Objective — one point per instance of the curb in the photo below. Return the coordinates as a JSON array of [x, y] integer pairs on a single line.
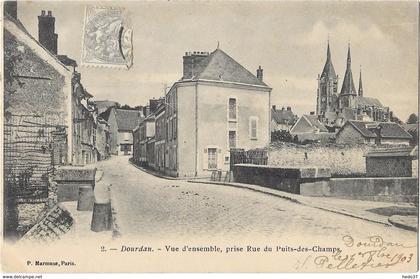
[[401, 225], [157, 174], [283, 196], [153, 172], [243, 186]]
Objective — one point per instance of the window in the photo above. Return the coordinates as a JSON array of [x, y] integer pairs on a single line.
[[212, 158], [126, 136], [232, 139], [174, 128], [253, 128], [170, 129], [232, 108]]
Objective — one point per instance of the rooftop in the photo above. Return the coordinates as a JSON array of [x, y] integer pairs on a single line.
[[219, 66], [394, 152], [387, 129], [127, 119], [313, 120], [283, 116]]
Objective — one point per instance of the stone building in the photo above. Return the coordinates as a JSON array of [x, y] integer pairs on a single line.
[[391, 162], [363, 132], [217, 105], [37, 84], [48, 120], [333, 108], [102, 139]]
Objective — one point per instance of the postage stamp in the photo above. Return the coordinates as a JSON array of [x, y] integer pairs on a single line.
[[107, 38]]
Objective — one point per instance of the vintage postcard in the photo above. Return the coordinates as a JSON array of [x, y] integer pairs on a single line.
[[210, 136]]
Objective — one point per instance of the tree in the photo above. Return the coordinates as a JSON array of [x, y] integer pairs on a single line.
[[126, 107], [396, 120], [412, 119], [282, 135]]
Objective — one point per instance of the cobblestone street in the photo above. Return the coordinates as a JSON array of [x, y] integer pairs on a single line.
[[149, 207]]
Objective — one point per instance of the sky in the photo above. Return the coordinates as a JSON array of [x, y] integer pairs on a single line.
[[288, 39]]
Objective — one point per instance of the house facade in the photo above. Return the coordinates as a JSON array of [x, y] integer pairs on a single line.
[[103, 139], [122, 122], [216, 106], [160, 138], [84, 125], [141, 136]]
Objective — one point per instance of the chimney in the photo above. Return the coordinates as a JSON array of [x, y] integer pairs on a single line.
[[46, 32], [274, 107], [193, 63], [10, 8], [260, 73], [289, 109]]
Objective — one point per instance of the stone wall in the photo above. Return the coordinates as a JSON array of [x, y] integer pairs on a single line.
[[284, 179], [389, 166], [350, 135], [343, 160], [42, 95], [70, 178]]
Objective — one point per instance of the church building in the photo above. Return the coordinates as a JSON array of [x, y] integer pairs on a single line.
[[335, 108]]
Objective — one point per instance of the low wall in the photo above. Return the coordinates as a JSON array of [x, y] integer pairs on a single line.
[[342, 160], [386, 189], [284, 179], [70, 178]]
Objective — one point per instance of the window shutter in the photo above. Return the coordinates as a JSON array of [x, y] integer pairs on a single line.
[[205, 160]]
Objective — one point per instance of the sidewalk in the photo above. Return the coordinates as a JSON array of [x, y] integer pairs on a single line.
[[158, 174], [378, 212], [80, 229]]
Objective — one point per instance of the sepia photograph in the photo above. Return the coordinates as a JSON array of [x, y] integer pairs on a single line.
[[210, 136]]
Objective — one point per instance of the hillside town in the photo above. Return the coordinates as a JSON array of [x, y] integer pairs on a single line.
[[215, 125]]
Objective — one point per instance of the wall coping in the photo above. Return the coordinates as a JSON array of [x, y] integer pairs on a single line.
[[75, 173], [374, 178], [304, 172]]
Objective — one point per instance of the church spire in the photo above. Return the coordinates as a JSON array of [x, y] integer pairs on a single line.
[[328, 51], [348, 83], [348, 57], [328, 70], [360, 83]]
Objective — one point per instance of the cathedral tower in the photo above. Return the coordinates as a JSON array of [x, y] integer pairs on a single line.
[[327, 100]]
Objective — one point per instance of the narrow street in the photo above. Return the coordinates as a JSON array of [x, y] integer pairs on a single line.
[[149, 207]]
